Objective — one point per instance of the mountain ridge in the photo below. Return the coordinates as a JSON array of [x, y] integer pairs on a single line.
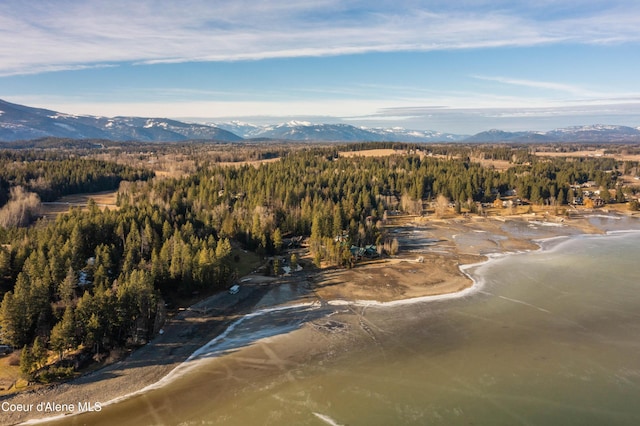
[[307, 131], [20, 122]]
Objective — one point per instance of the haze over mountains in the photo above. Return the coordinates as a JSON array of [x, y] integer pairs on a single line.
[[18, 122]]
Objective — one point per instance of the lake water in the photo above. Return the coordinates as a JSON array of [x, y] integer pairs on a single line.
[[548, 338]]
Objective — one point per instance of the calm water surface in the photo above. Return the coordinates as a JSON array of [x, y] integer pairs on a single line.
[[552, 337]]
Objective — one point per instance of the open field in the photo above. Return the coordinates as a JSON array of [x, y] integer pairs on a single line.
[[371, 153], [589, 153], [181, 168], [254, 163], [500, 165], [105, 199]]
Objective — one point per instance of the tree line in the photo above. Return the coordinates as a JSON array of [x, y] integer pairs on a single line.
[[52, 175]]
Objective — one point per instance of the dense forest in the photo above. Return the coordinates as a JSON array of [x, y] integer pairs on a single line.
[[97, 279]]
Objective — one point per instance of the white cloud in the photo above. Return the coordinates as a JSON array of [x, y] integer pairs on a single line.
[[560, 87], [44, 36], [328, 108]]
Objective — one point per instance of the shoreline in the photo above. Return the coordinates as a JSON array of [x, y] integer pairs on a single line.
[[216, 328]]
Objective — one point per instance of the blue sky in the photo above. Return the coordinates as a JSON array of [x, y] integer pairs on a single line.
[[456, 66]]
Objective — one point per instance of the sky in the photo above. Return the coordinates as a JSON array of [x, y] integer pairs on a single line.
[[460, 66]]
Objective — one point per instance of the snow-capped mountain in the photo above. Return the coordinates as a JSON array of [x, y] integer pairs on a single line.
[[242, 129], [306, 131], [596, 133], [589, 133], [18, 122], [495, 135], [401, 134]]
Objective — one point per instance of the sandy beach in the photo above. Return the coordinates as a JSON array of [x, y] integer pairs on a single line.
[[428, 265]]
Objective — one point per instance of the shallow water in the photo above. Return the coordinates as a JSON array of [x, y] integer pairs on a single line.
[[550, 337]]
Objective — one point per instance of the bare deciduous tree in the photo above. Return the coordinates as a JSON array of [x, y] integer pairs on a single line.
[[411, 205], [442, 204], [20, 209]]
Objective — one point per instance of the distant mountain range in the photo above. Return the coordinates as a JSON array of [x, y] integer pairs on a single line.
[[18, 122], [305, 131], [591, 133]]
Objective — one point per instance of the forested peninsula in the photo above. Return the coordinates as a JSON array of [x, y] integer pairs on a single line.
[[81, 284]]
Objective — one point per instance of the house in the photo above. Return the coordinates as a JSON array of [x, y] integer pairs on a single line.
[[369, 251], [294, 242]]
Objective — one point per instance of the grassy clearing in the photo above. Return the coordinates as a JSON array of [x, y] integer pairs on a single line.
[[247, 261], [499, 165], [254, 163], [10, 380], [589, 153], [104, 199], [371, 153]]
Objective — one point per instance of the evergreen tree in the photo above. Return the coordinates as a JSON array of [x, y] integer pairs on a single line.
[[38, 353], [223, 249], [63, 333], [315, 241], [14, 320], [5, 262], [27, 365], [277, 240], [67, 288], [94, 333]]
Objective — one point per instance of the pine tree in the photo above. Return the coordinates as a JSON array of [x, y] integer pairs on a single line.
[[38, 353], [67, 288], [315, 241], [277, 240], [26, 363], [223, 249], [137, 302], [14, 316], [94, 332], [63, 333], [77, 247], [5, 261]]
